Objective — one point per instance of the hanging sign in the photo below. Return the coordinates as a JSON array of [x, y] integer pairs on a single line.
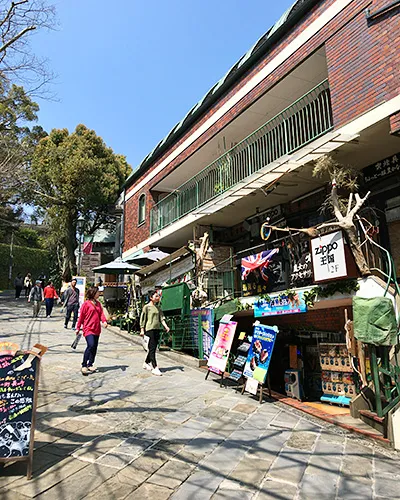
[[382, 169], [259, 355], [222, 346], [19, 379], [280, 304], [328, 257]]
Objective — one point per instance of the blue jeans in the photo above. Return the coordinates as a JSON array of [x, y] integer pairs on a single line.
[[72, 309], [92, 342], [49, 306]]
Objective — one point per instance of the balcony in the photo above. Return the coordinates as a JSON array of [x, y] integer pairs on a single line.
[[299, 124]]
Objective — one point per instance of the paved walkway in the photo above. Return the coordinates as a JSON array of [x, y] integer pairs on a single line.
[[124, 433]]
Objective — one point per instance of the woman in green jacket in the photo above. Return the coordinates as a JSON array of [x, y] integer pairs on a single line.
[[151, 320]]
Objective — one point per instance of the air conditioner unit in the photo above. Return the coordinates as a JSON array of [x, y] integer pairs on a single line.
[[292, 384]]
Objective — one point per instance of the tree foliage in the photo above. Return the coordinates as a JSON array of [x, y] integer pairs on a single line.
[[75, 175], [17, 142]]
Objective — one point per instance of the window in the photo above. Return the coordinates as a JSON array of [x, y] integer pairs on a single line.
[[142, 209]]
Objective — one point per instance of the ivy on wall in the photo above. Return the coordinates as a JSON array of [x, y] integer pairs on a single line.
[[25, 260]]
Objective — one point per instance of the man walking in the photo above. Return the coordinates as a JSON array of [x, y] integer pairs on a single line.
[[18, 283], [49, 295], [71, 303], [37, 296]]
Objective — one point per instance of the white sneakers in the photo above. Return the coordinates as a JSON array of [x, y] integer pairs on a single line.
[[154, 371]]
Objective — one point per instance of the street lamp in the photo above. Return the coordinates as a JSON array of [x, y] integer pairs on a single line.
[[80, 224]]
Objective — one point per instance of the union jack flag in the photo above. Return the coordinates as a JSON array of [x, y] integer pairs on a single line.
[[258, 261]]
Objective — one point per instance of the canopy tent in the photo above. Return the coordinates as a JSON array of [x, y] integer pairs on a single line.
[[117, 266], [149, 257]]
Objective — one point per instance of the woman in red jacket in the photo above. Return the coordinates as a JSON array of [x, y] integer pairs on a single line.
[[49, 295], [90, 318]]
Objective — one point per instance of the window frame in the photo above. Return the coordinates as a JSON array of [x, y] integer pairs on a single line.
[[140, 221]]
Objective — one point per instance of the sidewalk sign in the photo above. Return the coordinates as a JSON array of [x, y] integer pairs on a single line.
[[259, 357], [222, 346], [19, 382], [81, 286]]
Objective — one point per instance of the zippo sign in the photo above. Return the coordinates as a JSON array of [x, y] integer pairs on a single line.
[[328, 257]]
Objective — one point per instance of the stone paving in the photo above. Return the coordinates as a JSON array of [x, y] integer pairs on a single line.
[[123, 433]]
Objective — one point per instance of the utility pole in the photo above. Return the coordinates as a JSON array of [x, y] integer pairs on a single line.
[[10, 266]]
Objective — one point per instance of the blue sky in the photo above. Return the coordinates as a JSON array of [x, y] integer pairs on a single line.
[[131, 69]]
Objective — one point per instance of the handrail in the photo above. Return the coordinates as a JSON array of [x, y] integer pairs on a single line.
[[303, 121]]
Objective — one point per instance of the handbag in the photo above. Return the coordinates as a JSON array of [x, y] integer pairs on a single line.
[[145, 342], [76, 341]]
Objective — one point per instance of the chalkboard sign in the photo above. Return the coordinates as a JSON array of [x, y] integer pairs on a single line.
[[19, 378]]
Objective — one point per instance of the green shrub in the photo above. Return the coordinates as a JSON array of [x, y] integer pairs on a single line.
[[26, 260]]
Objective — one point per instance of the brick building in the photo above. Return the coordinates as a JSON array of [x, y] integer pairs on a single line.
[[324, 79]]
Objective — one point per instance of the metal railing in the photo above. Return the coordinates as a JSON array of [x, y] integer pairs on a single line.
[[302, 122]]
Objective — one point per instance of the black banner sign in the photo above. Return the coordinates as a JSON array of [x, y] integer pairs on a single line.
[[382, 169]]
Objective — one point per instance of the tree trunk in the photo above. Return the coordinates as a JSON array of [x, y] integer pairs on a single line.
[[357, 252], [69, 246]]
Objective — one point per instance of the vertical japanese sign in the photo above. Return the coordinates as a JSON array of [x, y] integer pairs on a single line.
[[206, 317], [222, 346], [328, 257], [259, 356]]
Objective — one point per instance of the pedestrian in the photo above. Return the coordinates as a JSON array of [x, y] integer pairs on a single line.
[[71, 304], [90, 318], [50, 294], [18, 284], [151, 320], [28, 284], [36, 295]]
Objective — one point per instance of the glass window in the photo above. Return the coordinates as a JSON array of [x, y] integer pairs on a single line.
[[142, 208]]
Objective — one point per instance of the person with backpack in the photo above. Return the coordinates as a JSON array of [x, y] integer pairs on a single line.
[[90, 318], [50, 294], [71, 303], [37, 296]]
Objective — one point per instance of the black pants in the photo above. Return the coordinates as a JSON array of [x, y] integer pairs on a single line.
[[49, 306], [89, 356], [72, 309], [18, 290], [154, 338], [27, 290]]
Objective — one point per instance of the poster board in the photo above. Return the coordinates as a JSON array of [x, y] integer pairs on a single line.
[[279, 304], [203, 318], [222, 345], [81, 286], [259, 355], [19, 382]]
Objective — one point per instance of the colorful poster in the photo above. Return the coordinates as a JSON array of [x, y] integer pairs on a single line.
[[206, 316], [280, 304], [259, 355], [222, 346], [81, 286], [261, 272]]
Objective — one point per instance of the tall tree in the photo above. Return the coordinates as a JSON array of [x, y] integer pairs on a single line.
[[18, 20], [17, 142], [75, 175]]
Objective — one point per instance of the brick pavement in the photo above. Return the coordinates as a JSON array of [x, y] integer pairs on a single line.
[[123, 433]]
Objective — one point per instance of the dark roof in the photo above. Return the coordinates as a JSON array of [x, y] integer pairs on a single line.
[[246, 62]]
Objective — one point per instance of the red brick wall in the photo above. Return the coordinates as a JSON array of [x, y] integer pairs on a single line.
[[395, 124], [329, 320], [363, 63], [336, 34]]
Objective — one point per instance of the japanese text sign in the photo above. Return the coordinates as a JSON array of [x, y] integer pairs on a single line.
[[259, 356], [328, 257], [222, 346]]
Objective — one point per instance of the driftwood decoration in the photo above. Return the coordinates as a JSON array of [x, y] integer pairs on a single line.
[[199, 295], [344, 222]]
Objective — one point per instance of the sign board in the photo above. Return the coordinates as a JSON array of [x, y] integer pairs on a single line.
[[19, 379], [222, 346], [382, 169], [280, 304], [259, 355], [328, 257], [251, 386], [81, 286], [206, 317], [262, 272]]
